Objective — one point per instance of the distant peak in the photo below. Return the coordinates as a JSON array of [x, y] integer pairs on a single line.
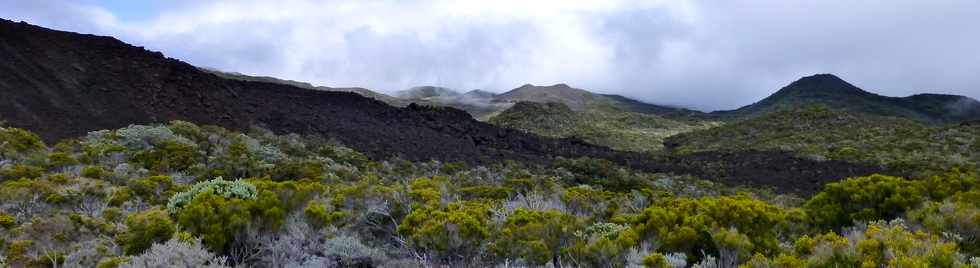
[[823, 82], [821, 78], [561, 85]]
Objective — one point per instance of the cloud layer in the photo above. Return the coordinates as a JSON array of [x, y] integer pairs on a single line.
[[702, 54]]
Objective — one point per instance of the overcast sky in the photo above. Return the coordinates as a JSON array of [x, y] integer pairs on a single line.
[[702, 54]]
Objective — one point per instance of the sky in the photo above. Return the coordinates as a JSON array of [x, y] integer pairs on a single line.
[[706, 55]]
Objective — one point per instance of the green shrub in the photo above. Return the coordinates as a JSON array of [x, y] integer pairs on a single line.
[[95, 172], [536, 236], [874, 197], [457, 231], [7, 221], [15, 141], [227, 189], [318, 215], [215, 218], [18, 171], [686, 225], [144, 229]]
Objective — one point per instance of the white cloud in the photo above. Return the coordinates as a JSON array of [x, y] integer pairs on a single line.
[[704, 54]]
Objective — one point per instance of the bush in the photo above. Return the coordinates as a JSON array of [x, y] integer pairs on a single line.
[[176, 253], [154, 190], [877, 244], [536, 236], [457, 232], [217, 219], [144, 229], [687, 225], [16, 142], [875, 197], [957, 217], [227, 189]]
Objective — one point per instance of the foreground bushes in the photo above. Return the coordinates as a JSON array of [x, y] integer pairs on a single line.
[[129, 197]]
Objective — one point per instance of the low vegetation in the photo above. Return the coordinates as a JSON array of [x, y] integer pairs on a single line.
[[182, 195], [604, 125], [819, 132]]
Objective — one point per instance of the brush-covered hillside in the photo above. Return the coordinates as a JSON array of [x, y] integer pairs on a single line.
[[819, 132], [604, 125], [182, 195]]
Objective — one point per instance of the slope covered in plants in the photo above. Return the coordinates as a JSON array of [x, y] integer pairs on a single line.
[[819, 132], [600, 124], [182, 195]]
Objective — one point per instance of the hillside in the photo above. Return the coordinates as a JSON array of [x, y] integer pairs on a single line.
[[600, 124], [819, 132], [390, 100], [580, 99], [830, 90], [479, 104]]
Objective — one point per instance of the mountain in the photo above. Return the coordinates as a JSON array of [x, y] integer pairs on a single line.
[[830, 90], [604, 125], [360, 91], [426, 92], [478, 103], [63, 85], [580, 99]]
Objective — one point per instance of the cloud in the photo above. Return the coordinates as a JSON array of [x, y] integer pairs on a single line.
[[702, 54]]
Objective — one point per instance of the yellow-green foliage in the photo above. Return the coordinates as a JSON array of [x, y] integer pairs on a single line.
[[216, 219], [110, 187], [7, 221], [863, 199], [318, 214], [879, 244], [155, 189], [656, 260], [957, 217], [686, 225], [536, 236], [144, 229], [15, 141], [457, 227]]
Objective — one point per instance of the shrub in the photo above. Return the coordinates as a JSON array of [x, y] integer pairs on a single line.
[[227, 189], [7, 221], [957, 217], [176, 253], [155, 189], [878, 244], [457, 232], [319, 216], [686, 225], [868, 198], [95, 172], [536, 236], [19, 171], [15, 141], [350, 252], [146, 228], [217, 219]]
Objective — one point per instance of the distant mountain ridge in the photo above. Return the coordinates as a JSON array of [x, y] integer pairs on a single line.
[[834, 92]]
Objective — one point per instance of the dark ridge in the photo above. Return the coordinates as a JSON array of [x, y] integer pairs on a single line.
[[63, 85]]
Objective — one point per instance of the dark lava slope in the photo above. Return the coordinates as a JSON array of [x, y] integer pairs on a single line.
[[62, 85]]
